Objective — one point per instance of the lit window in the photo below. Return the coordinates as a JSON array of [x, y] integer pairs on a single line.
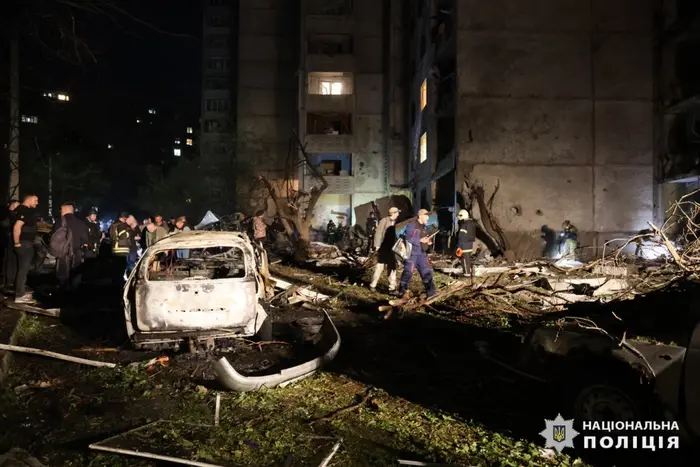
[[63, 97], [188, 141], [189, 130], [424, 147], [152, 111], [109, 146], [177, 152], [177, 140], [138, 120], [331, 88], [424, 94], [29, 119]]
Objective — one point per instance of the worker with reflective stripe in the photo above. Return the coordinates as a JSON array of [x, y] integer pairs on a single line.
[[466, 235], [120, 235], [417, 236]]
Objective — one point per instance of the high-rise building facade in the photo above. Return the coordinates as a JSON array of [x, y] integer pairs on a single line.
[[328, 72]]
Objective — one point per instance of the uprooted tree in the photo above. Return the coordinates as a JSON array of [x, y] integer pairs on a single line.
[[491, 232], [294, 206]]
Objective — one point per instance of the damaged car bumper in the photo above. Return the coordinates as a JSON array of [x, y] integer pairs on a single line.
[[327, 342]]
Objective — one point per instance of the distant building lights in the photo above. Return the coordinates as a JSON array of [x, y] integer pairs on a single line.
[[188, 141], [138, 120], [177, 152], [189, 130], [109, 146], [152, 111]]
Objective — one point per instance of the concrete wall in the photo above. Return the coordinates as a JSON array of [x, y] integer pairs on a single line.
[[555, 102]]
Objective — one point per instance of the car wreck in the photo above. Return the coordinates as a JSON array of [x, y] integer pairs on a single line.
[[209, 285], [198, 286], [605, 375]]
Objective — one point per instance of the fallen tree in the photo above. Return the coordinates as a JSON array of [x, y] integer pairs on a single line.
[[490, 232], [297, 208]]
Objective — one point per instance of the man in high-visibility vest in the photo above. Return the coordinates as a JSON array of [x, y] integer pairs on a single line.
[[466, 235], [121, 236]]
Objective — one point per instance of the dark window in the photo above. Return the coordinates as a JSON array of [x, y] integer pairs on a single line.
[[216, 83], [326, 7], [413, 114], [422, 45], [329, 123], [220, 64], [218, 42], [218, 20], [330, 44], [217, 105]]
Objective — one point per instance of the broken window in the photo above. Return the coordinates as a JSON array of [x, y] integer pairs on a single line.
[[330, 44], [328, 123], [213, 126], [197, 264], [329, 7], [330, 83]]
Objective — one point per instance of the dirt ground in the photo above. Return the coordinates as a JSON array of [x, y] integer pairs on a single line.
[[425, 392]]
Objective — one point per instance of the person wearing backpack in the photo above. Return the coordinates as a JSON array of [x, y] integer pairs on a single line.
[[69, 241]]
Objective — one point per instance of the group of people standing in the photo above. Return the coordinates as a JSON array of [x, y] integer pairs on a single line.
[[75, 242], [384, 237]]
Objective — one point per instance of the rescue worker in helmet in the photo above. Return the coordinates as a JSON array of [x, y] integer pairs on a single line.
[[569, 234], [466, 235]]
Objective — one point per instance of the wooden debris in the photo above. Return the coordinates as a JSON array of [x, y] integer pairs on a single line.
[[366, 397], [37, 310]]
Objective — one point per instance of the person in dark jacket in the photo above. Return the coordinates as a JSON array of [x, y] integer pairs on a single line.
[[384, 240], [24, 232], [94, 235], [371, 229], [8, 261], [466, 236], [417, 235], [69, 268]]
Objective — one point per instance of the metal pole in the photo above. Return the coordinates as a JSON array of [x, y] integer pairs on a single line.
[[50, 200], [13, 144]]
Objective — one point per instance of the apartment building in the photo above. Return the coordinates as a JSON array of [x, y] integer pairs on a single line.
[[679, 164], [331, 72], [551, 100]]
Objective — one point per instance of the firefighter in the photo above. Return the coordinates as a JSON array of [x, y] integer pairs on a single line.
[[122, 238], [569, 234], [417, 236], [466, 235]]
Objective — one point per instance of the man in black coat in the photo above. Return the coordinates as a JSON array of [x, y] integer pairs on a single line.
[[69, 268], [466, 236]]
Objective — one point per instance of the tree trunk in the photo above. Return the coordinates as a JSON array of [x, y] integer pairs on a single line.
[[302, 248], [13, 144]]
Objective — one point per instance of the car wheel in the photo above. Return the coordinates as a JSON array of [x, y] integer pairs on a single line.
[[603, 401], [265, 331]]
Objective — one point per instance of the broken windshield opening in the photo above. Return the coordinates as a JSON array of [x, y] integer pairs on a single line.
[[197, 264]]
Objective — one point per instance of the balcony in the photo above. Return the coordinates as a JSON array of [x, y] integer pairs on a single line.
[[316, 62], [326, 8], [337, 184], [338, 104], [329, 143]]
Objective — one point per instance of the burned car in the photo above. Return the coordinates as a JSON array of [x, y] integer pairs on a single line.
[[198, 286]]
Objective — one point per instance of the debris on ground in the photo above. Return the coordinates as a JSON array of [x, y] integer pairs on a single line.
[[46, 353], [19, 458]]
